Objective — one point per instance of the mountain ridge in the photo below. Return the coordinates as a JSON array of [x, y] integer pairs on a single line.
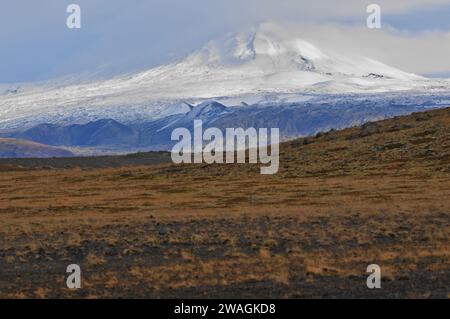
[[247, 67], [293, 119]]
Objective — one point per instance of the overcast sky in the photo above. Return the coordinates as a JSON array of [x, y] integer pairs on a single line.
[[127, 35]]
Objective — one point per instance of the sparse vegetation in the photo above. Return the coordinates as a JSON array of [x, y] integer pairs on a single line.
[[337, 205]]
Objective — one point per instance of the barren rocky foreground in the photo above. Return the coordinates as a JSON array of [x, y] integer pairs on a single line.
[[378, 194]]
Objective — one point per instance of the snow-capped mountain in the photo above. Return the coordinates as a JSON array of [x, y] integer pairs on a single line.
[[270, 51], [268, 61]]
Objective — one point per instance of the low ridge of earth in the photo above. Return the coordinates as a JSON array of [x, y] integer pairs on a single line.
[[11, 148]]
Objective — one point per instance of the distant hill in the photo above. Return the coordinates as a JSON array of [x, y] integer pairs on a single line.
[[13, 148], [97, 133], [294, 120], [417, 140]]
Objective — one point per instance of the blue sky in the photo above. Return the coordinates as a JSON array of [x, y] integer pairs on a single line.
[[127, 35]]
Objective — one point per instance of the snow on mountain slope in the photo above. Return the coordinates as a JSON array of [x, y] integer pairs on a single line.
[[266, 61], [272, 50]]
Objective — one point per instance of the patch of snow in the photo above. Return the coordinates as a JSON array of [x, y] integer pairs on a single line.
[[264, 65]]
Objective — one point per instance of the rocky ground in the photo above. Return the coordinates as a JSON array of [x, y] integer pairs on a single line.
[[378, 194]]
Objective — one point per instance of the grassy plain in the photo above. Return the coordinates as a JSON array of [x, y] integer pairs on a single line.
[[377, 194]]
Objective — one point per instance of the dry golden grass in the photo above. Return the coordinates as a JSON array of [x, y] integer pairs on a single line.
[[341, 201]]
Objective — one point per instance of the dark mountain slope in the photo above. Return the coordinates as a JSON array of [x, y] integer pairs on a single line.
[[98, 133]]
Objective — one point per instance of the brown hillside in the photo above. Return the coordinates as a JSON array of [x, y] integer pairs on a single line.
[[341, 201]]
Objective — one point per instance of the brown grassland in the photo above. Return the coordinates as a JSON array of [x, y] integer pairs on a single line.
[[341, 201]]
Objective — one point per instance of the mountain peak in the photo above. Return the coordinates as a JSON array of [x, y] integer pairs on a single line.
[[270, 49], [265, 41], [268, 60]]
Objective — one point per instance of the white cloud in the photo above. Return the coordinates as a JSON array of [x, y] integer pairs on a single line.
[[323, 9], [423, 53], [129, 34]]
